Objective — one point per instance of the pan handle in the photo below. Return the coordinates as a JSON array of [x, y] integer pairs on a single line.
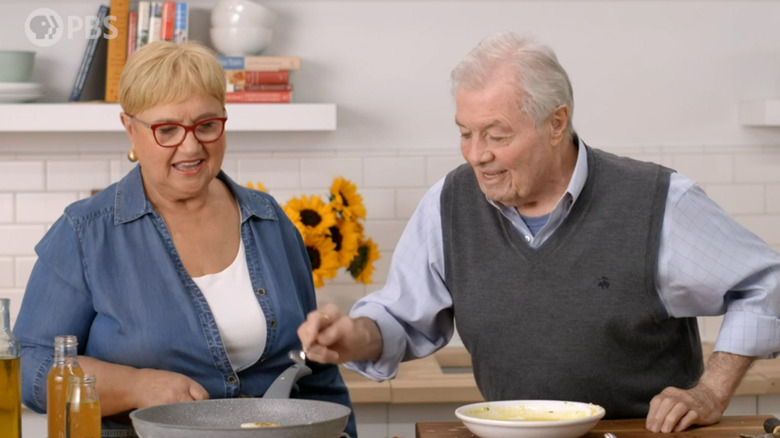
[[281, 387]]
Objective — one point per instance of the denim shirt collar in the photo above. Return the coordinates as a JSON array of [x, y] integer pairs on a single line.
[[131, 202]]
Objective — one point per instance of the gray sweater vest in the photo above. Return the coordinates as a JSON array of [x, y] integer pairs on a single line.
[[578, 318]]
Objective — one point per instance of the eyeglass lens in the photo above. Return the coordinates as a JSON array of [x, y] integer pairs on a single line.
[[173, 134]]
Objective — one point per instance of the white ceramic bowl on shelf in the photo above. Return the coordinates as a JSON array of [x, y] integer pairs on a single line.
[[530, 418], [240, 41], [241, 13]]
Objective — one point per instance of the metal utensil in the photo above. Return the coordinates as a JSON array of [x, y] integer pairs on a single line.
[[297, 356], [610, 435], [771, 426]]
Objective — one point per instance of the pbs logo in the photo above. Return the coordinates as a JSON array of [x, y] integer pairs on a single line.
[[44, 27]]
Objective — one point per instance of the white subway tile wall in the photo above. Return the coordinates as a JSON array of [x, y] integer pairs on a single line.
[[22, 176], [772, 192], [712, 168], [757, 167], [379, 203], [738, 198], [6, 272], [77, 175], [43, 207], [318, 173], [6, 208], [408, 171], [276, 173], [19, 240], [34, 191], [406, 200]]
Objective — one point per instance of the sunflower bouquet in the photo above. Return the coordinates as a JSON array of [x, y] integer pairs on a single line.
[[332, 232]]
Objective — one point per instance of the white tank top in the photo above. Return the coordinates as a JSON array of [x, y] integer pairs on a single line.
[[239, 318]]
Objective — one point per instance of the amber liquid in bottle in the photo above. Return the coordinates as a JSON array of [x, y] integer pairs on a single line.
[[82, 413], [11, 399], [10, 377], [65, 365]]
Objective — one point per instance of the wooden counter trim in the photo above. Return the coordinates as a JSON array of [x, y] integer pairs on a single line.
[[364, 390], [423, 381]]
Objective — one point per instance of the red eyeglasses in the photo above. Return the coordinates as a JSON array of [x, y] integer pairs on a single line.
[[170, 135]]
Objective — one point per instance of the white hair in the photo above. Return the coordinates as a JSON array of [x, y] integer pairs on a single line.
[[543, 84]]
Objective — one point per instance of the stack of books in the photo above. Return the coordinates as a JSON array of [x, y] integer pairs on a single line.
[[259, 79], [157, 21], [119, 31]]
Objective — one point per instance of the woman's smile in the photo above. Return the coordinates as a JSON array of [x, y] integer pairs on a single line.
[[188, 167]]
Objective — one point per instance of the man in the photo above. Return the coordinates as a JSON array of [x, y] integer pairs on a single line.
[[572, 273]]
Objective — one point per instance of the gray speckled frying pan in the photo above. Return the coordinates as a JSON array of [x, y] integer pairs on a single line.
[[296, 418]]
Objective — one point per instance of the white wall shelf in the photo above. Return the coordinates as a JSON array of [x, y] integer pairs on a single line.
[[760, 113], [104, 117]]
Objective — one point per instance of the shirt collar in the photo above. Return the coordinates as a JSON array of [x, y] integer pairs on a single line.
[[580, 174], [131, 202]]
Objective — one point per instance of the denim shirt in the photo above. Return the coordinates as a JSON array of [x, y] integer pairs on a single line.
[[108, 272]]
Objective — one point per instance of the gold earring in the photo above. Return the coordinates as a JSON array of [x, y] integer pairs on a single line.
[[131, 156]]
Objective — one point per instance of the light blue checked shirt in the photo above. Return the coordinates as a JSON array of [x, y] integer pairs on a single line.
[[708, 265]]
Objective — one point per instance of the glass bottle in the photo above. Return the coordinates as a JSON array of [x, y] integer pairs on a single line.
[[65, 365], [82, 412], [10, 376]]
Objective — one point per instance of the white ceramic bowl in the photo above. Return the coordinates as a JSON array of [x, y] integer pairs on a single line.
[[240, 41], [16, 65], [241, 13], [530, 418]]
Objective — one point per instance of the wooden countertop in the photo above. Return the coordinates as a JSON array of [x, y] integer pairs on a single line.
[[424, 381], [729, 426]]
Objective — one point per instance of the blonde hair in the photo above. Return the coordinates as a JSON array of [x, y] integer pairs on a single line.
[[542, 83], [166, 72]]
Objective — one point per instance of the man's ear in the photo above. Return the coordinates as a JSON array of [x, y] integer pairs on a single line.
[[559, 121]]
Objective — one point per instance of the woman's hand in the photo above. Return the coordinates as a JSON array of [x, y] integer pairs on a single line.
[[155, 387], [122, 388]]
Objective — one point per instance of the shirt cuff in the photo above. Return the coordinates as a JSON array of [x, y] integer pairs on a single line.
[[749, 334], [393, 344]]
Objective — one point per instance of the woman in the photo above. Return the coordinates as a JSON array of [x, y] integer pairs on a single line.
[[179, 283]]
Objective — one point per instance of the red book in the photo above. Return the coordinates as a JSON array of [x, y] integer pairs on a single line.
[[132, 32], [258, 97], [257, 77], [259, 87], [168, 20]]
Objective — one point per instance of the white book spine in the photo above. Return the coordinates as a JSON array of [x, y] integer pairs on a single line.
[[143, 24], [155, 21]]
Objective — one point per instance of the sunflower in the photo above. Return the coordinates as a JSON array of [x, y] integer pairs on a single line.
[[323, 257], [333, 232], [345, 199], [362, 265], [310, 215], [260, 186], [345, 235]]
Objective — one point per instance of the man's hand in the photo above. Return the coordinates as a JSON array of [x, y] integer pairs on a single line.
[[674, 409], [329, 336]]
